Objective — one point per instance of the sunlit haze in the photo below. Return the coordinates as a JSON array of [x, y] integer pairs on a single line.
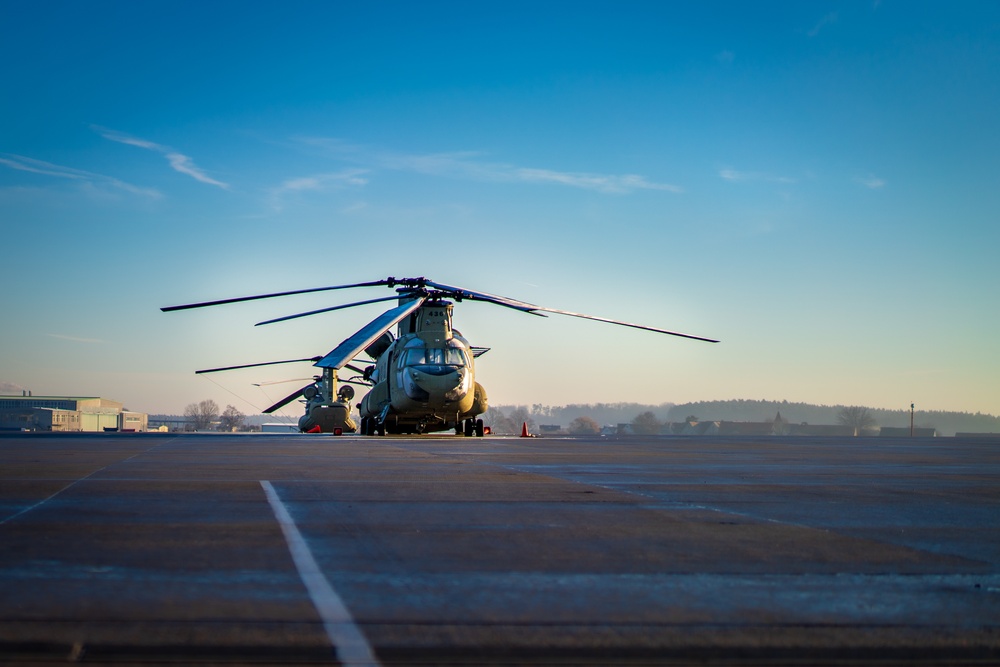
[[813, 183]]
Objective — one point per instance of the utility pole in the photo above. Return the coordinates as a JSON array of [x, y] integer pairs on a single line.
[[911, 420]]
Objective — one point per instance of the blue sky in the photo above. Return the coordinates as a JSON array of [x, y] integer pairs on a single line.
[[816, 184]]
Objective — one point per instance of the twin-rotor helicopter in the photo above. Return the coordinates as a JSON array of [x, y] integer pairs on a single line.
[[421, 380]]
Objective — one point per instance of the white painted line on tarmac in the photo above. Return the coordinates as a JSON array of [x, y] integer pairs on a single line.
[[38, 504], [77, 481], [353, 649]]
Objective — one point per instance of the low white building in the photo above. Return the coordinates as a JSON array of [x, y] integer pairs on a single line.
[[279, 427]]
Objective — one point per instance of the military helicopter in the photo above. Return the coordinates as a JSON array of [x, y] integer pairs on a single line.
[[422, 379]]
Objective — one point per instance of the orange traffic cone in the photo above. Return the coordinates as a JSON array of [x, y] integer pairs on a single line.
[[524, 430]]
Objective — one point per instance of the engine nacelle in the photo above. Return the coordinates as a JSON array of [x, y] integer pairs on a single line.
[[479, 404]]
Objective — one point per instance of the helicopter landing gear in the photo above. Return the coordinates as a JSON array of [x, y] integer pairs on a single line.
[[370, 426], [473, 427]]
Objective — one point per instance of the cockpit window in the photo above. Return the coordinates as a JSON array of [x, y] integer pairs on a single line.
[[449, 356]]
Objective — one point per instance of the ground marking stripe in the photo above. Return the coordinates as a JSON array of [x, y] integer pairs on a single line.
[[353, 650], [76, 481]]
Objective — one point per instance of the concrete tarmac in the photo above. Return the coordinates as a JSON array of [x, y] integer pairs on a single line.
[[293, 549]]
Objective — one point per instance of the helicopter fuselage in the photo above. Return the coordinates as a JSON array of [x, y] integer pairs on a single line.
[[425, 379]]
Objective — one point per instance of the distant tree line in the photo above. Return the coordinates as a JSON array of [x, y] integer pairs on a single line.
[[509, 421], [205, 415], [856, 417], [583, 418], [509, 418]]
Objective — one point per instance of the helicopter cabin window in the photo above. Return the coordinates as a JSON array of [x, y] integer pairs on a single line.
[[449, 356]]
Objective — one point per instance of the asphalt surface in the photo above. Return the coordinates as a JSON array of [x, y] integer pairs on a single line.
[[278, 549]]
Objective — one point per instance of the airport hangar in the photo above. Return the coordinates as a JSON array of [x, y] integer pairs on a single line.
[[68, 413]]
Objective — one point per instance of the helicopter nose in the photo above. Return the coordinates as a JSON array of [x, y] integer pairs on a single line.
[[434, 370], [440, 382]]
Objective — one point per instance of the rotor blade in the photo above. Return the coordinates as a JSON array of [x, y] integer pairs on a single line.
[[266, 363], [626, 324], [286, 400], [353, 346], [267, 384], [462, 293], [327, 310], [238, 299]]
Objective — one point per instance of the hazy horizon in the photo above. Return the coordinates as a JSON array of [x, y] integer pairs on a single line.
[[812, 183], [294, 410]]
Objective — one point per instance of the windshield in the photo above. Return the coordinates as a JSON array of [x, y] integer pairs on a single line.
[[449, 356]]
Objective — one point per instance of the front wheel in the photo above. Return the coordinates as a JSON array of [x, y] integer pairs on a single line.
[[480, 429]]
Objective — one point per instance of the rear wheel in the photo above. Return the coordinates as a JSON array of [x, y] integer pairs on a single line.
[[480, 429]]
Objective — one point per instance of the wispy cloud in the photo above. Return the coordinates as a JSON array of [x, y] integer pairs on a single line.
[[178, 161], [322, 181], [75, 339], [871, 181], [613, 183], [826, 20], [31, 165], [733, 175], [318, 182], [472, 166]]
